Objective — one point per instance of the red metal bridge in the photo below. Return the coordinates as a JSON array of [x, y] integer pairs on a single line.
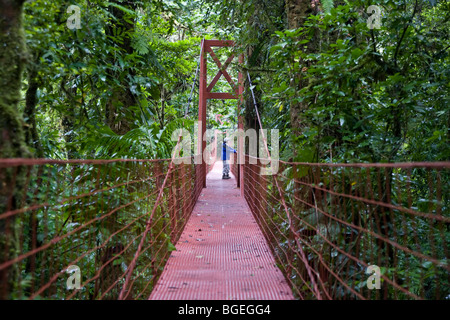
[[152, 229]]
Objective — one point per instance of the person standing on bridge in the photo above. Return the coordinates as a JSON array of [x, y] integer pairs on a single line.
[[225, 158]]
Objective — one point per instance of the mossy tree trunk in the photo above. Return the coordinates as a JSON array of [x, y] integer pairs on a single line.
[[297, 12], [12, 61], [13, 144]]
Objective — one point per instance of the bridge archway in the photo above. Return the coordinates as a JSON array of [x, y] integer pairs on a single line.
[[206, 92]]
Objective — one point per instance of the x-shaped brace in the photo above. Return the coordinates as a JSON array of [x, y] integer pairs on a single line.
[[222, 70]]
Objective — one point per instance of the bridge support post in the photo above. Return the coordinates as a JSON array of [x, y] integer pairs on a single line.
[[202, 101], [241, 148]]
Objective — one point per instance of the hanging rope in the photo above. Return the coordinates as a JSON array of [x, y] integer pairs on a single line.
[[195, 81]]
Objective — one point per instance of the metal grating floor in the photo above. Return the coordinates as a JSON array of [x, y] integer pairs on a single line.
[[222, 254]]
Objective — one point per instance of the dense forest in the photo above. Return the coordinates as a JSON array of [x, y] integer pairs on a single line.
[[114, 79], [118, 86]]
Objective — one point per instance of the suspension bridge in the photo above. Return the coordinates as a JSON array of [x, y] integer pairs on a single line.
[[152, 229]]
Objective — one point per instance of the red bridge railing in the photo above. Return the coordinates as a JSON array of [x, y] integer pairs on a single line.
[[115, 220], [327, 223]]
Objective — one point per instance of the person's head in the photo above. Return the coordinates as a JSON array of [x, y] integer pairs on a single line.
[[225, 140]]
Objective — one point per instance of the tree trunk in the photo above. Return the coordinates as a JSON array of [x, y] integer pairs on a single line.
[[31, 100], [12, 134], [12, 61], [297, 11]]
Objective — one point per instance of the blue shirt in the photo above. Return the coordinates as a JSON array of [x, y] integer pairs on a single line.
[[226, 152]]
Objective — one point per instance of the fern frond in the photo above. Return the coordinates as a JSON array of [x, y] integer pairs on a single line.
[[144, 142], [141, 43], [327, 5]]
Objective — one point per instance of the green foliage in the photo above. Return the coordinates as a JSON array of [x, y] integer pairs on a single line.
[[327, 5], [118, 88], [128, 65], [370, 92]]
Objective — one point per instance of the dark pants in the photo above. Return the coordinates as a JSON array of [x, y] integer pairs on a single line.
[[226, 167]]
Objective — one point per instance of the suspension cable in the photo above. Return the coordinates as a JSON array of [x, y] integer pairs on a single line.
[[195, 80], [257, 114]]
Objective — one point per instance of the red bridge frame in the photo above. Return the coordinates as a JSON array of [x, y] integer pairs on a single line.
[[205, 93]]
